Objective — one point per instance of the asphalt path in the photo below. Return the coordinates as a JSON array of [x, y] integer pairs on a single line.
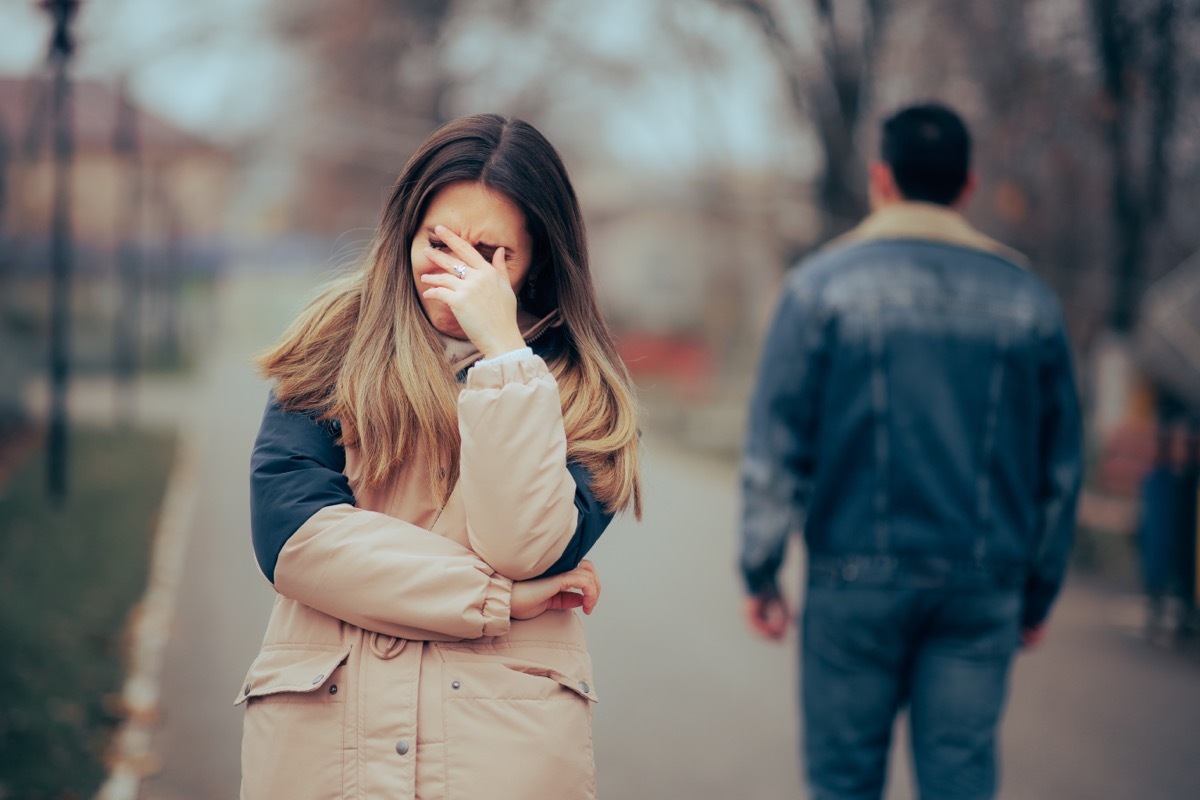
[[691, 706]]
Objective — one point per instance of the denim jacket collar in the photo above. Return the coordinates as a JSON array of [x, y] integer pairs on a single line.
[[925, 221]]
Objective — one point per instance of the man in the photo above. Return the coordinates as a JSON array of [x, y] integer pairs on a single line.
[[915, 413]]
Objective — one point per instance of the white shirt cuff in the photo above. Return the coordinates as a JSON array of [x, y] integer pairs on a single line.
[[512, 355]]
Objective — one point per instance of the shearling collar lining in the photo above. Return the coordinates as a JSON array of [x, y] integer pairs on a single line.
[[925, 221]]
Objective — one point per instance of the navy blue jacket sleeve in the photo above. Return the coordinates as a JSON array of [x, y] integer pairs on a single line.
[[592, 521], [295, 471]]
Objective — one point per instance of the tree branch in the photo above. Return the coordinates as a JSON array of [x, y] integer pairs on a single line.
[[1164, 106]]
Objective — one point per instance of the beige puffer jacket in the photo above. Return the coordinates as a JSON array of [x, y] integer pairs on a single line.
[[390, 667]]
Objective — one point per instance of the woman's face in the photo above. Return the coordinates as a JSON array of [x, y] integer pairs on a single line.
[[484, 218]]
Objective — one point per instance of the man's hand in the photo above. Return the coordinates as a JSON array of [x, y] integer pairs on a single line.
[[533, 598], [1032, 637], [768, 616]]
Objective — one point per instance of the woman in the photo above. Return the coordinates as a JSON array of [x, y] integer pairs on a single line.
[[450, 431]]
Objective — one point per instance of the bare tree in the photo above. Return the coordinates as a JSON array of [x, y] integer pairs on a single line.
[[1137, 51], [5, 158], [128, 323], [831, 93], [378, 88], [1023, 82]]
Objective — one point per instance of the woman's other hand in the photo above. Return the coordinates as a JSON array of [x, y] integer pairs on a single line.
[[478, 292], [575, 589]]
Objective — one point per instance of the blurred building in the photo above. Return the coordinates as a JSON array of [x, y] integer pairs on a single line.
[[185, 181], [148, 207], [688, 270]]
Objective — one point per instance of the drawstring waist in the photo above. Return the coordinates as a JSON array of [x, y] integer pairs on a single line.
[[387, 647]]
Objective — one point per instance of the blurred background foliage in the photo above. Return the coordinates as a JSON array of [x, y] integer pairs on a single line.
[[713, 143]]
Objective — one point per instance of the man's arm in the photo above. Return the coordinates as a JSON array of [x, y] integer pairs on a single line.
[[1062, 472], [779, 454]]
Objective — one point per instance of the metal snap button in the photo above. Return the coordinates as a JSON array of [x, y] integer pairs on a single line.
[[333, 688], [455, 685], [318, 679], [583, 687], [402, 747], [246, 691]]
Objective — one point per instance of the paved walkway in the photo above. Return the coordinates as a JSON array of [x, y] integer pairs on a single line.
[[223, 601], [691, 706]]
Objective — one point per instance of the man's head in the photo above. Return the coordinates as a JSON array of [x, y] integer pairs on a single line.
[[925, 156]]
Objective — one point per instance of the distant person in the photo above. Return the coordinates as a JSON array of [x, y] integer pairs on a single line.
[[450, 431], [915, 415]]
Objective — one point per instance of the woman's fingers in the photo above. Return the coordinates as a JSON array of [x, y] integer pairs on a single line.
[[460, 250], [499, 262], [584, 579], [446, 296], [590, 567], [455, 266], [565, 600], [439, 279], [579, 588]]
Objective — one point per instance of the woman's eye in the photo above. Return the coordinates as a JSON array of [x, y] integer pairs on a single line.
[[436, 245]]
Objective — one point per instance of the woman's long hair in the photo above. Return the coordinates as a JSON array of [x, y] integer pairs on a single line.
[[364, 352]]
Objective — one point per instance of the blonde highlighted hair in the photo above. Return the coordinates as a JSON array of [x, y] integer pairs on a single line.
[[364, 353]]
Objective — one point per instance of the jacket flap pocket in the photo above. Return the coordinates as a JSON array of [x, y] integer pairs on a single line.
[[577, 685], [291, 668], [581, 688], [458, 660]]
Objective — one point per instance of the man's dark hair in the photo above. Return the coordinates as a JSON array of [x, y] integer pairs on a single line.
[[929, 151]]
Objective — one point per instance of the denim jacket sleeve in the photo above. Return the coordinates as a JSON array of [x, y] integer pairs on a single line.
[[780, 449], [1062, 471]]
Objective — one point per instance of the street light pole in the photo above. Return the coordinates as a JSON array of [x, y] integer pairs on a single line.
[[129, 264], [62, 13]]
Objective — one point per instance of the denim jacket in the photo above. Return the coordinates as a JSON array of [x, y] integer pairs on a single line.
[[916, 415]]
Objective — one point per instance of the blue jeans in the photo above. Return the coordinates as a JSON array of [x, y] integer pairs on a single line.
[[869, 651]]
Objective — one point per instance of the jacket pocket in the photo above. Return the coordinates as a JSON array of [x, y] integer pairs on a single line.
[[516, 729], [294, 738]]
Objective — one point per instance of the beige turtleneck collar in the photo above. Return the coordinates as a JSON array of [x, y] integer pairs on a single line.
[[462, 352]]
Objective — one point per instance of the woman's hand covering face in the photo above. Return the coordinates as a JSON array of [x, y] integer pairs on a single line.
[[465, 293]]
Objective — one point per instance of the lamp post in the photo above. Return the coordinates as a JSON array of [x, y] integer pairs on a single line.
[[129, 266], [62, 13]]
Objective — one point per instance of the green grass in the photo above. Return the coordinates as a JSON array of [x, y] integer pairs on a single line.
[[69, 577]]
